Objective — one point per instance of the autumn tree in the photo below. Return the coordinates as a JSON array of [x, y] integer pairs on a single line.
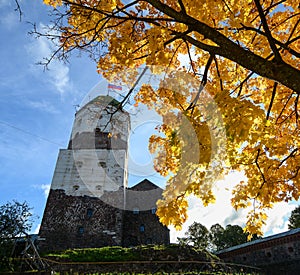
[[231, 105], [294, 219]]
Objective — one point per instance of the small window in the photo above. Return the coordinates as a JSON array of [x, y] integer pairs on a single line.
[[98, 187], [290, 249], [80, 230], [79, 164], [142, 228], [102, 164], [89, 212], [136, 211], [75, 187], [149, 241], [153, 210]]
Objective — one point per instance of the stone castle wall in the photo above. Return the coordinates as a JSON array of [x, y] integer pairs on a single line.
[[79, 222], [143, 227], [88, 195], [278, 254]]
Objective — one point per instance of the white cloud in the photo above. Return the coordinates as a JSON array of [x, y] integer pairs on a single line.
[[5, 3], [222, 212], [9, 16], [43, 106], [278, 218], [37, 229], [9, 19], [57, 73], [46, 188]]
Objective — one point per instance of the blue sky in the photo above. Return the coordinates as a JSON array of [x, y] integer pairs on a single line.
[[38, 107], [39, 102], [37, 112]]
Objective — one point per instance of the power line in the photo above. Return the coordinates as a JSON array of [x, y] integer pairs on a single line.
[[30, 133]]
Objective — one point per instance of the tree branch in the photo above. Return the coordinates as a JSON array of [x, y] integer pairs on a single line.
[[202, 84], [182, 7], [296, 108], [18, 9], [190, 57], [282, 45], [290, 96], [272, 99], [282, 73], [218, 73], [293, 30], [289, 156], [260, 171], [267, 31]]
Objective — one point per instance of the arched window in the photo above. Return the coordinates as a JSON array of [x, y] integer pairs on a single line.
[[75, 187], [153, 210], [136, 210], [102, 164], [149, 241], [80, 230], [142, 228], [89, 212]]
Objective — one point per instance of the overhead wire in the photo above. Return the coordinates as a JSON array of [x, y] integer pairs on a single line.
[[30, 133]]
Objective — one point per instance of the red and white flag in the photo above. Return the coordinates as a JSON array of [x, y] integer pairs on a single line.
[[114, 87]]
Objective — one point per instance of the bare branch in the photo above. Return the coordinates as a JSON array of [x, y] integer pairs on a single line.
[[134, 85], [202, 84], [126, 98], [293, 30], [240, 86], [182, 7], [272, 99], [190, 57], [225, 3], [18, 9], [267, 31], [296, 109], [290, 96], [282, 45], [218, 73], [260, 171], [292, 154]]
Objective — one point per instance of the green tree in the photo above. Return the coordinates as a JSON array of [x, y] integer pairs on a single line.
[[231, 235], [197, 235], [234, 235], [15, 220], [294, 220], [216, 237]]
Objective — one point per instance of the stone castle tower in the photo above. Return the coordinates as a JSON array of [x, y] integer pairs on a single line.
[[87, 205]]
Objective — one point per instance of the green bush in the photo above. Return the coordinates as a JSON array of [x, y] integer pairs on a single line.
[[103, 254]]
